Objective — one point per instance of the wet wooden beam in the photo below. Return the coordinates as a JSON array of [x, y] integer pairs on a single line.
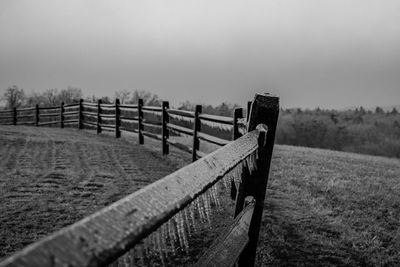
[[226, 249]]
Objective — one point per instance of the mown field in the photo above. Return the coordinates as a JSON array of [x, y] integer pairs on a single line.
[[323, 208], [50, 178]]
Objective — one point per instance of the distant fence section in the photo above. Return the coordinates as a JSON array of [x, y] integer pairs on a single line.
[[155, 122], [146, 227]]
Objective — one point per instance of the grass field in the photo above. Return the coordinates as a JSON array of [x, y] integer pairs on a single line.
[[50, 178], [327, 208], [323, 207]]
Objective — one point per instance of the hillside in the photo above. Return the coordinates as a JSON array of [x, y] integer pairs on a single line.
[[322, 208], [331, 208]]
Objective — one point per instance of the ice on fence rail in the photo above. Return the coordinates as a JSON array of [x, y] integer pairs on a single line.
[[180, 117], [217, 125], [173, 237]]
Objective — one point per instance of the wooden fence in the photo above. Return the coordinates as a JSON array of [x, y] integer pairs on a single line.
[[156, 214], [156, 122]]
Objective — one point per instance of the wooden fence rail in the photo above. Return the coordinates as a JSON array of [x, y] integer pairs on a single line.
[[105, 237], [114, 117]]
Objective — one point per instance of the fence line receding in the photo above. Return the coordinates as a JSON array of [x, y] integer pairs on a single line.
[[151, 222]]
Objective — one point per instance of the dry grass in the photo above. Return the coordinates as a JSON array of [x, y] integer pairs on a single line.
[[50, 178], [327, 208]]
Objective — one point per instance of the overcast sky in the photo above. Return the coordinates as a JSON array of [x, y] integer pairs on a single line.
[[311, 53]]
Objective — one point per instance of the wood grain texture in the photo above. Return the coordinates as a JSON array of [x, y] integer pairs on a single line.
[[226, 249]]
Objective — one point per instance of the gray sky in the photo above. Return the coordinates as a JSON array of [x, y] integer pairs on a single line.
[[311, 53]]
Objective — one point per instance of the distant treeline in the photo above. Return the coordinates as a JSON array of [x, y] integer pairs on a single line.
[[358, 130]]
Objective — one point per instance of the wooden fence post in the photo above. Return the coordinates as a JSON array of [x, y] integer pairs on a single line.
[[37, 115], [98, 129], [117, 119], [237, 114], [62, 115], [164, 129], [140, 121], [14, 116], [265, 110], [80, 115], [248, 109], [196, 128]]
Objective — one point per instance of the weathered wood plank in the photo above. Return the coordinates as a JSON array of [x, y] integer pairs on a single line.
[[200, 154], [151, 108], [70, 113], [48, 123], [183, 113], [152, 135], [180, 129], [47, 108], [217, 119], [213, 139], [226, 249], [71, 106], [126, 106], [129, 119], [180, 146], [89, 104], [49, 114]]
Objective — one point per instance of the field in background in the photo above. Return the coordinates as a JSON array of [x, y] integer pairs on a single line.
[[322, 207], [329, 208]]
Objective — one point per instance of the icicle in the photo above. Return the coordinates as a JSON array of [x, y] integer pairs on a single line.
[[251, 162], [187, 222], [163, 231], [132, 254], [226, 181], [126, 260], [181, 224], [210, 200], [237, 174], [141, 255], [192, 216], [207, 208], [146, 247], [178, 230], [159, 247], [200, 209], [172, 236], [214, 194]]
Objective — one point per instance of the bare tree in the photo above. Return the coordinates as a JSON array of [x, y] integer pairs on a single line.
[[34, 98], [123, 96], [70, 95], [148, 98], [50, 96], [14, 97]]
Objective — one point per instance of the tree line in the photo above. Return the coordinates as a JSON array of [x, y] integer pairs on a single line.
[[357, 130]]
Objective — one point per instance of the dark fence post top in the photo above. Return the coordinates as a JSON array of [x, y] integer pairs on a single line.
[[264, 109]]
